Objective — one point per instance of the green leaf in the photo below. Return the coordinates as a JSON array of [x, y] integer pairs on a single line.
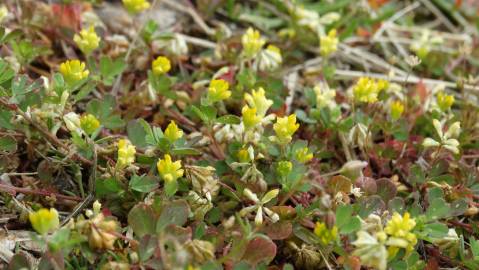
[[136, 133], [474, 247], [19, 262], [437, 209], [229, 119], [352, 226], [147, 247], [103, 110], [343, 215], [371, 204], [143, 183], [142, 219], [84, 91], [184, 151], [107, 186], [171, 187], [8, 144], [303, 117], [436, 230], [173, 213], [6, 73], [210, 112], [199, 113], [5, 119], [162, 85], [345, 221], [10, 36], [110, 68]]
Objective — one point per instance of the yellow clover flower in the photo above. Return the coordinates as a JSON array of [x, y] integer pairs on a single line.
[[44, 220], [170, 171], [399, 229], [3, 12], [303, 155], [444, 102], [257, 99], [252, 42], [161, 65], [243, 155], [73, 71], [126, 153], [325, 234], [172, 132], [328, 43], [284, 128], [87, 40], [284, 168], [397, 109], [324, 97], [218, 90], [89, 123], [136, 6], [367, 89], [371, 250], [268, 59], [250, 118]]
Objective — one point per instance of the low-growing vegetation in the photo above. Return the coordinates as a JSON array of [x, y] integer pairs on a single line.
[[223, 134]]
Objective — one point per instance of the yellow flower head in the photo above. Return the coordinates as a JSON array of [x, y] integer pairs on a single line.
[[324, 97], [87, 40], [325, 234], [218, 90], [397, 108], [284, 128], [274, 49], [328, 43], [172, 132], [258, 100], [367, 89], [3, 12], [303, 155], [284, 168], [169, 171], [73, 71], [44, 220], [252, 42], [136, 6], [444, 101], [126, 153], [399, 229], [250, 118], [161, 65], [243, 155], [89, 123], [268, 59]]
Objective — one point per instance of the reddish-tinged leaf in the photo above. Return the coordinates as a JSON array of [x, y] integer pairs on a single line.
[[367, 185], [260, 249], [362, 32], [432, 264], [458, 3], [279, 230], [422, 91], [386, 189], [68, 15], [142, 219], [339, 183], [229, 76]]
